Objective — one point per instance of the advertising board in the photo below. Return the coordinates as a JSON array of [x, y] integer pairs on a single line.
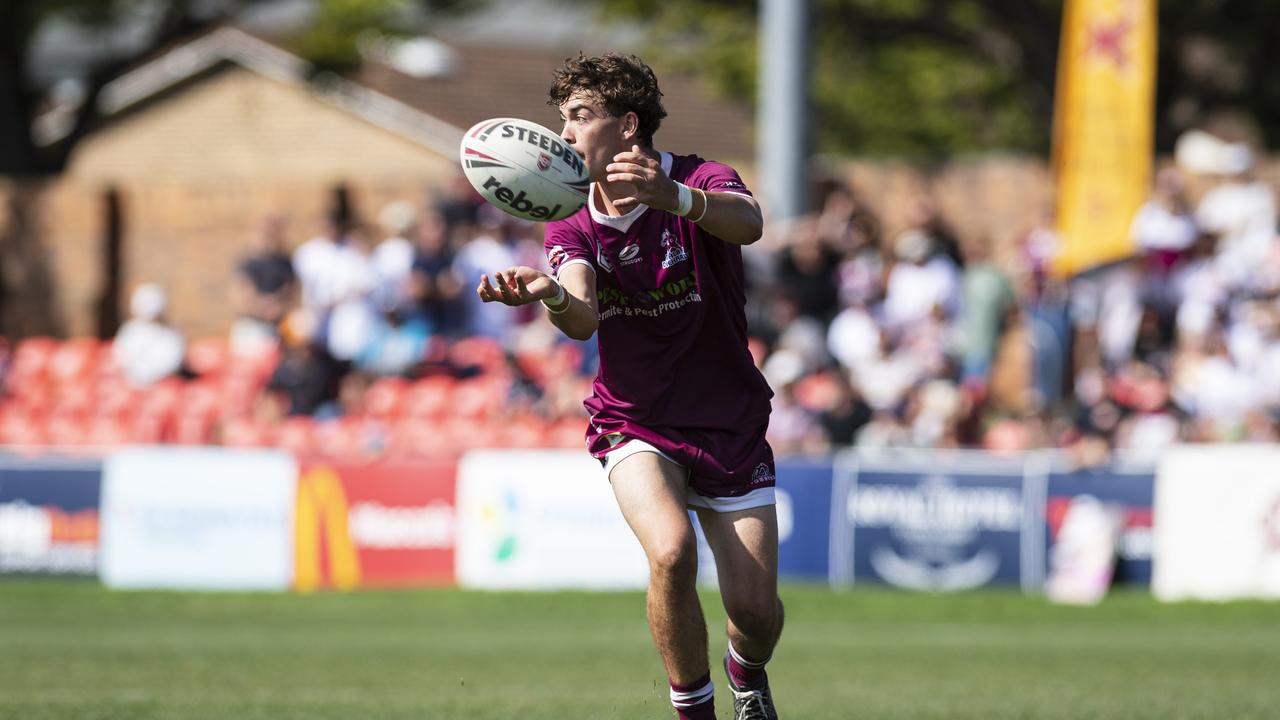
[[198, 518], [928, 522], [374, 525], [49, 516], [542, 520]]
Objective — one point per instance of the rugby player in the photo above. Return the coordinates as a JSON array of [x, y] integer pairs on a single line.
[[652, 265]]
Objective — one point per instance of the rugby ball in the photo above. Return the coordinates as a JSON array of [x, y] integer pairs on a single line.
[[524, 169]]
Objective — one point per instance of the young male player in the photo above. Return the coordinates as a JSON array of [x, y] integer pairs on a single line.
[[653, 266]]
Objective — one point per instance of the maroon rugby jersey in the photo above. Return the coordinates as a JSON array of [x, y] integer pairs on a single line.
[[674, 365]]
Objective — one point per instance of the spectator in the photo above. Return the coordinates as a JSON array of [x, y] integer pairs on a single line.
[[486, 248], [338, 282], [1165, 227], [262, 289], [147, 348], [307, 380], [458, 203], [1241, 212], [435, 287], [806, 272], [921, 283], [392, 260], [845, 412], [988, 299]]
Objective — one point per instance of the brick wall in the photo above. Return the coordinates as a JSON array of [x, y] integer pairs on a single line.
[[196, 171]]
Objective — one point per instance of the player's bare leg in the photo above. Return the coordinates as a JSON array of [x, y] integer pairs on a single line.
[[652, 493], [745, 544]]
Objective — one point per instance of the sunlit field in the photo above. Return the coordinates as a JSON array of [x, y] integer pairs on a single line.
[[75, 650]]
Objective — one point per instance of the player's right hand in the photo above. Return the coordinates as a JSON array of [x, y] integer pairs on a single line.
[[517, 286]]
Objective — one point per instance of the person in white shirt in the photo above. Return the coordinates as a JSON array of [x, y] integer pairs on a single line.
[[147, 348]]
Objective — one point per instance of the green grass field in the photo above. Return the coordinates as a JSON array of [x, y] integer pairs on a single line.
[[75, 650]]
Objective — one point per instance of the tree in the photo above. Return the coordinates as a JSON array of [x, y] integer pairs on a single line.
[[931, 78], [330, 41]]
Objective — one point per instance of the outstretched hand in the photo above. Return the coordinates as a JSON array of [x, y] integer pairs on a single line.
[[641, 180], [516, 286]]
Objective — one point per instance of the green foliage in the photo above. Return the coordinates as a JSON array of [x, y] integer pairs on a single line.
[[331, 42], [931, 78]]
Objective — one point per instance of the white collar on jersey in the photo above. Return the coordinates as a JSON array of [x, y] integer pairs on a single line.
[[624, 222]]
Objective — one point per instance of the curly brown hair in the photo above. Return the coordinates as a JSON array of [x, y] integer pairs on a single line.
[[620, 83]]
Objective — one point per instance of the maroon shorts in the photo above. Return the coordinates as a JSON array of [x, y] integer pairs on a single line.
[[727, 470]]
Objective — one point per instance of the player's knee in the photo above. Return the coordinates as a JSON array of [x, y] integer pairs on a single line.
[[675, 559], [756, 616]]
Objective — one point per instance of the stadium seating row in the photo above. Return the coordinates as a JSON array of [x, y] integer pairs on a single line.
[[70, 393]]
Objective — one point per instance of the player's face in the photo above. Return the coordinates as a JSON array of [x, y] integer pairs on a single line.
[[595, 134]]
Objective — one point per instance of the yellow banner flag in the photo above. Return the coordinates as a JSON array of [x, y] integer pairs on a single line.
[[1102, 127]]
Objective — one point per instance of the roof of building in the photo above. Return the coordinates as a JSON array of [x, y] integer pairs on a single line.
[[433, 102]]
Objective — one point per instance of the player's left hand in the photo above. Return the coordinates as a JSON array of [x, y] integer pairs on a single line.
[[644, 178], [517, 286]]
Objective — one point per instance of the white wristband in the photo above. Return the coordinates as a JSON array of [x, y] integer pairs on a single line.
[[702, 214], [684, 199], [557, 301]]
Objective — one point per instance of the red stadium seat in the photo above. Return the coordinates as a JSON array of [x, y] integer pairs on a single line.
[[527, 431], [200, 396], [246, 432], [351, 438], [25, 380], [30, 360], [424, 439], [482, 351], [237, 393], [73, 399], [385, 398], [67, 429], [259, 364], [208, 357], [74, 361], [19, 428], [161, 399], [480, 397], [568, 433], [107, 431], [295, 435], [429, 398], [194, 425]]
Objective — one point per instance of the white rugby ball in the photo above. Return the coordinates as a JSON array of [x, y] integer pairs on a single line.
[[524, 169]]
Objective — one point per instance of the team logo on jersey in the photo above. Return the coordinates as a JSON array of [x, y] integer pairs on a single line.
[[630, 255], [544, 161], [732, 185], [762, 474], [602, 260], [675, 252], [556, 257]]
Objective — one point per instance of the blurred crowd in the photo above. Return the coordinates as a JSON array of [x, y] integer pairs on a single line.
[[920, 339], [911, 338]]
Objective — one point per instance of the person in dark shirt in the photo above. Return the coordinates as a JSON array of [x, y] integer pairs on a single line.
[[307, 379], [262, 288]]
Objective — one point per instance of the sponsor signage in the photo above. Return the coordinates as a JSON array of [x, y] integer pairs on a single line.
[[1217, 523], [198, 518], [49, 516], [380, 525], [542, 520], [802, 500], [804, 519], [1126, 494], [934, 526]]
